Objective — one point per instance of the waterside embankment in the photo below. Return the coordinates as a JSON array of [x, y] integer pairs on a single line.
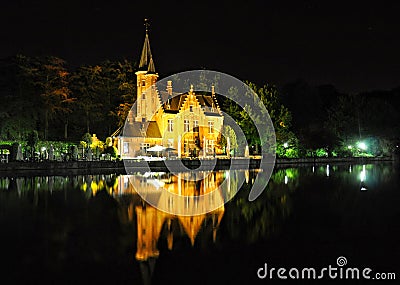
[[119, 167]]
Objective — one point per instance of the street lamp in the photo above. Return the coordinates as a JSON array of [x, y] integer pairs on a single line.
[[362, 145]]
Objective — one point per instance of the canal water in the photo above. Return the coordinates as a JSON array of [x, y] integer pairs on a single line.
[[96, 229]]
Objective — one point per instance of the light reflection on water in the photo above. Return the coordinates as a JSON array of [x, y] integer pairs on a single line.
[[100, 219]]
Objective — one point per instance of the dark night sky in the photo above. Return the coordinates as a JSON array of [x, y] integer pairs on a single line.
[[354, 46]]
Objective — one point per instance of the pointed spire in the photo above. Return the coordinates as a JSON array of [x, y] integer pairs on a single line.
[[151, 67], [146, 59]]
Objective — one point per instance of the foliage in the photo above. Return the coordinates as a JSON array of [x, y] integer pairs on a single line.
[[279, 114], [112, 150], [248, 118], [42, 94], [33, 139], [105, 94], [19, 110], [51, 81], [108, 142], [87, 138], [320, 152]]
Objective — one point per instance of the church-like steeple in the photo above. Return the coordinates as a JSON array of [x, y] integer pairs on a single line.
[[146, 77], [146, 60]]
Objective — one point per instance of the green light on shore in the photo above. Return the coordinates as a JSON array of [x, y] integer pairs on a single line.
[[362, 145]]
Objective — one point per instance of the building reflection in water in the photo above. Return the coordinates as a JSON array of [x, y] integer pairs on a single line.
[[186, 193], [173, 194]]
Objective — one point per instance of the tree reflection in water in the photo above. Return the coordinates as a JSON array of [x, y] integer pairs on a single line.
[[95, 226], [263, 217]]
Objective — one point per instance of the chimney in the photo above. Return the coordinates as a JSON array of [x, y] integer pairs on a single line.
[[169, 87]]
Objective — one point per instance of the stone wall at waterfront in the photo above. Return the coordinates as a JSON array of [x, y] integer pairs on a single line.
[[84, 167]]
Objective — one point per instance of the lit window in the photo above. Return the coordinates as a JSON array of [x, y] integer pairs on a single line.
[[210, 127], [210, 145], [185, 146], [170, 202], [144, 146], [126, 147], [143, 82], [196, 126], [126, 182], [170, 125], [186, 125]]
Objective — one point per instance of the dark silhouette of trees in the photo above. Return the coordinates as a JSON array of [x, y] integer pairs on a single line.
[[51, 80], [42, 94], [104, 95], [19, 105]]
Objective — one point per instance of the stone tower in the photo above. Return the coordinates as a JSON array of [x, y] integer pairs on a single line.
[[148, 101]]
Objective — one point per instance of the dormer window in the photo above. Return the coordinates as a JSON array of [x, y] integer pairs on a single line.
[[191, 108]]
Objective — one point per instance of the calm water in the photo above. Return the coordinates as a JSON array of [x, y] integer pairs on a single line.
[[97, 230]]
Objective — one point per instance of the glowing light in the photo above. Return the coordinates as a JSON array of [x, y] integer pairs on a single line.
[[362, 145], [349, 147], [286, 179], [285, 145], [43, 149], [363, 174], [327, 170]]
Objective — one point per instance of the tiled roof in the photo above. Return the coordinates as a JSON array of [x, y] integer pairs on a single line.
[[139, 129]]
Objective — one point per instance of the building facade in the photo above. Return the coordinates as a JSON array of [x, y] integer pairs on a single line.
[[184, 125]]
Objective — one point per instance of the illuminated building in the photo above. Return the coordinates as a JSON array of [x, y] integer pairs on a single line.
[[188, 123]]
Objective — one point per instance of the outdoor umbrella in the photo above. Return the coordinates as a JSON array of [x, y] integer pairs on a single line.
[[157, 148]]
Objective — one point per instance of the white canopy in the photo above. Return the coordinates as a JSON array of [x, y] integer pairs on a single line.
[[156, 148]]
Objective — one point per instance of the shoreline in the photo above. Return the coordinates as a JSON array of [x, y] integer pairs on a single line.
[[62, 168]]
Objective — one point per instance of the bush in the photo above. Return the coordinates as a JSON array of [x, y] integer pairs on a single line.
[[112, 150]]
